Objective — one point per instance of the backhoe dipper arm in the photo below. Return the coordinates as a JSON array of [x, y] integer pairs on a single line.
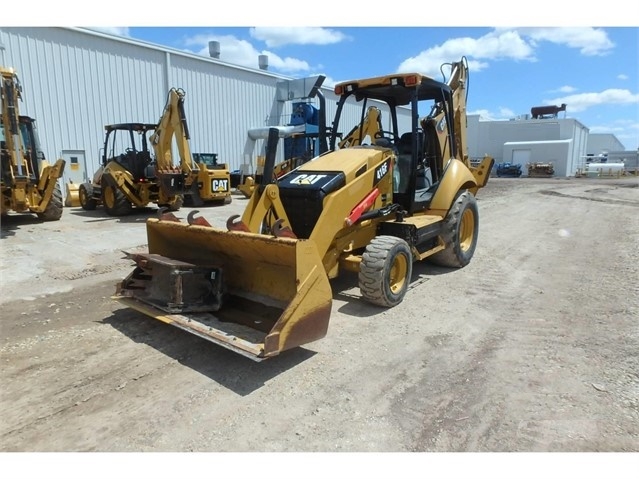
[[173, 123], [458, 82], [371, 124]]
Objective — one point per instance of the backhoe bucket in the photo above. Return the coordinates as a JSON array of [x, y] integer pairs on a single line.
[[72, 198], [254, 294]]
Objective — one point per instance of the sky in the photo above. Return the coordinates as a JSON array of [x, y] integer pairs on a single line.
[[554, 57]]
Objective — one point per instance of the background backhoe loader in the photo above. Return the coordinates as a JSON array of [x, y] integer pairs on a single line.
[[261, 286], [28, 182], [138, 166]]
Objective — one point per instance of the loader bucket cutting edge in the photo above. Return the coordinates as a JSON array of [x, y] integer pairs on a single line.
[[275, 294]]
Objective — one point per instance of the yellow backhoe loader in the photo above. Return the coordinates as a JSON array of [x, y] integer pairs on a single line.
[[28, 182], [262, 285], [137, 177]]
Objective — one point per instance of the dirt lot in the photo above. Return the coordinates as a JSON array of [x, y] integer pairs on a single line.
[[531, 347]]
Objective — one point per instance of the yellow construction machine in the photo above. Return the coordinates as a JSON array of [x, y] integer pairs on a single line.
[[261, 285], [131, 175], [213, 181], [29, 183]]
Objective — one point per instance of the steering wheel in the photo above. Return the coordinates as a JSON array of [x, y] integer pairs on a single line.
[[386, 134]]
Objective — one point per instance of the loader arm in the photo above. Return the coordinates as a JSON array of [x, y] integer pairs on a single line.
[[10, 94]]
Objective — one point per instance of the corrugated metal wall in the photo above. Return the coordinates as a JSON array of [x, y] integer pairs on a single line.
[[76, 81], [74, 84]]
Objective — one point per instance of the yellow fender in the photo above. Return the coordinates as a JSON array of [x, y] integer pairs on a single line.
[[457, 177]]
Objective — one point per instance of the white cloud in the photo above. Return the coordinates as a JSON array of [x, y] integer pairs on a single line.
[[506, 112], [622, 76], [502, 114], [494, 45], [287, 64], [565, 89], [280, 36], [584, 101], [241, 52], [120, 31], [506, 43], [589, 41]]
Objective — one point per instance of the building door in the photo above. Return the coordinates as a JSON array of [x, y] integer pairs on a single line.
[[521, 157], [75, 169]]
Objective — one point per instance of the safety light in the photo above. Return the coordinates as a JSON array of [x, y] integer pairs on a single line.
[[410, 80]]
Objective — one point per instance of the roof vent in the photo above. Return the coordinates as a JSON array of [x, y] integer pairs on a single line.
[[214, 49], [263, 62]]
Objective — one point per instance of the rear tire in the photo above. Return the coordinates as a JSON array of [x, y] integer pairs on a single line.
[[385, 271], [85, 195], [53, 211], [114, 201], [461, 227]]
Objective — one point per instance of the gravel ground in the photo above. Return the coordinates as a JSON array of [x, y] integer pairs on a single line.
[[530, 348]]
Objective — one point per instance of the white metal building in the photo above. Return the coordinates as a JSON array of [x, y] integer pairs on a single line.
[[560, 141], [602, 144], [75, 81]]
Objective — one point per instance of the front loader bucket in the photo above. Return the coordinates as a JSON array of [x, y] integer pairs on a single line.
[[254, 294]]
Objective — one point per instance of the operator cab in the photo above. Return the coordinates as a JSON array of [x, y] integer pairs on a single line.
[[419, 165], [128, 145]]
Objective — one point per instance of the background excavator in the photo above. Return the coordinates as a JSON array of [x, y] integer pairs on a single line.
[[139, 176], [28, 182], [262, 285]]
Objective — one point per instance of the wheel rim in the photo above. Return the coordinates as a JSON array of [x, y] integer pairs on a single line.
[[466, 230], [82, 196], [398, 271], [109, 197]]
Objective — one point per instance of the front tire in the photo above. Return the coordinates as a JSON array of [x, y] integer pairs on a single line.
[[53, 211], [114, 201], [461, 227], [175, 205], [385, 271]]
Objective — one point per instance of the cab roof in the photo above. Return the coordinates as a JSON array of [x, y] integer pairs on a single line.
[[132, 126], [396, 89]]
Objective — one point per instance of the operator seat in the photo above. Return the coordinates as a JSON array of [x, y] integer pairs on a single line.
[[142, 161], [402, 171], [424, 189]]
